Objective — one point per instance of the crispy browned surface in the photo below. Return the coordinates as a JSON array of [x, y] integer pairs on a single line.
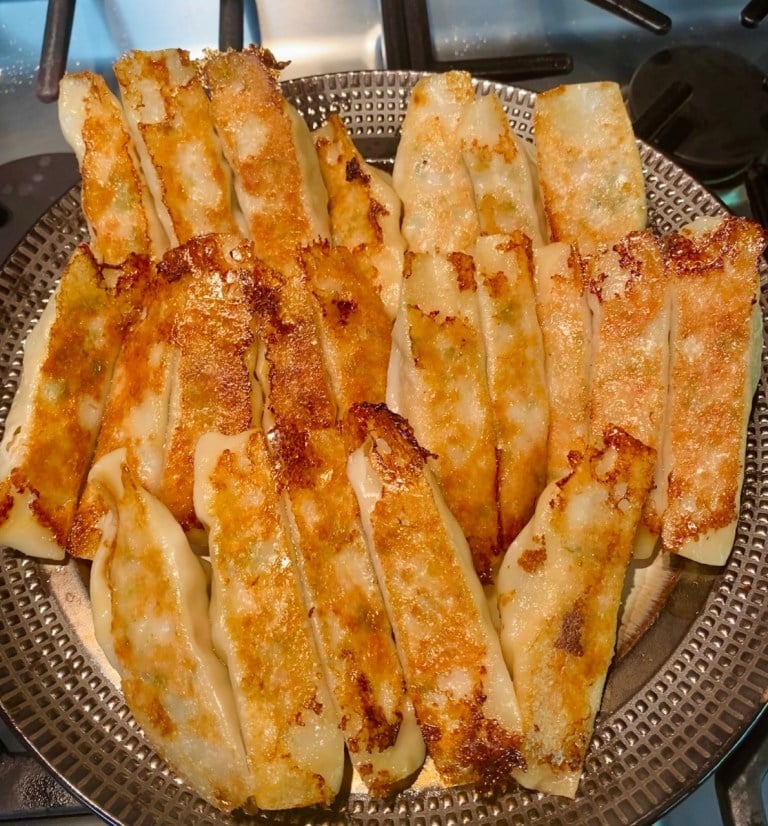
[[443, 639], [69, 391], [589, 165], [308, 451], [353, 324], [516, 376], [564, 318], [115, 198], [364, 209], [212, 389], [716, 286], [559, 594], [183, 371], [180, 141], [294, 746], [355, 211], [628, 285], [450, 407], [257, 134]]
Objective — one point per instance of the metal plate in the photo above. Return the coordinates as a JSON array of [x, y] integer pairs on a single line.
[[673, 708]]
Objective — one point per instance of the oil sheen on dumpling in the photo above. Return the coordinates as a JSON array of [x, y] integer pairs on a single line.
[[430, 176], [560, 588], [169, 116], [150, 602], [453, 664], [716, 342], [261, 630], [437, 380], [52, 426]]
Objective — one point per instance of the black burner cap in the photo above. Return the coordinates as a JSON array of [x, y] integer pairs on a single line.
[[722, 125]]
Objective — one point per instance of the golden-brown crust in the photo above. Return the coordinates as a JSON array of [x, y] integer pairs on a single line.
[[256, 131], [212, 389], [353, 324], [716, 285], [115, 197], [309, 455], [453, 418], [441, 635], [181, 145], [68, 399]]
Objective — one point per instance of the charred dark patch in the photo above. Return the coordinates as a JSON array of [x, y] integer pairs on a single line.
[[571, 629], [345, 308], [354, 172]]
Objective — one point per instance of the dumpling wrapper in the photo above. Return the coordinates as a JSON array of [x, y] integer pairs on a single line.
[[169, 116], [560, 588], [716, 344], [354, 325], [116, 201], [516, 374], [185, 369], [429, 175], [453, 664], [437, 381], [269, 147], [566, 329], [150, 608], [308, 452], [589, 166], [503, 175], [364, 209], [261, 630], [53, 423], [628, 291]]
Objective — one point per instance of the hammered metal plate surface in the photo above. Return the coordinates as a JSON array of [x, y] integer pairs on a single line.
[[674, 706]]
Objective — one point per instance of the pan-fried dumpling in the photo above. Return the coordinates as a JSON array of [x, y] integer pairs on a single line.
[[53, 423], [516, 376], [364, 209], [503, 176], [269, 147], [261, 630], [453, 665], [169, 116], [589, 166], [430, 176], [150, 600], [354, 326], [560, 588], [716, 342], [437, 380], [116, 201], [628, 292], [566, 330]]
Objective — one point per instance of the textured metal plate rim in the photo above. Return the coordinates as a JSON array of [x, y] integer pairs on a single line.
[[646, 754]]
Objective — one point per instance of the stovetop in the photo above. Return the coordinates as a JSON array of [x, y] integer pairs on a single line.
[[36, 165]]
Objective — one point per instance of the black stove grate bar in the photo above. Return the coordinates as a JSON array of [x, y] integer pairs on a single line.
[[637, 12], [753, 13], [408, 45], [231, 14], [53, 57]]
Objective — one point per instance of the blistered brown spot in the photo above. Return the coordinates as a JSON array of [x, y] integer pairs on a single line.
[[464, 266], [531, 559], [571, 628]]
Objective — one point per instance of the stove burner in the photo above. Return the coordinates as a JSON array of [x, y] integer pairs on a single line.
[[720, 125]]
